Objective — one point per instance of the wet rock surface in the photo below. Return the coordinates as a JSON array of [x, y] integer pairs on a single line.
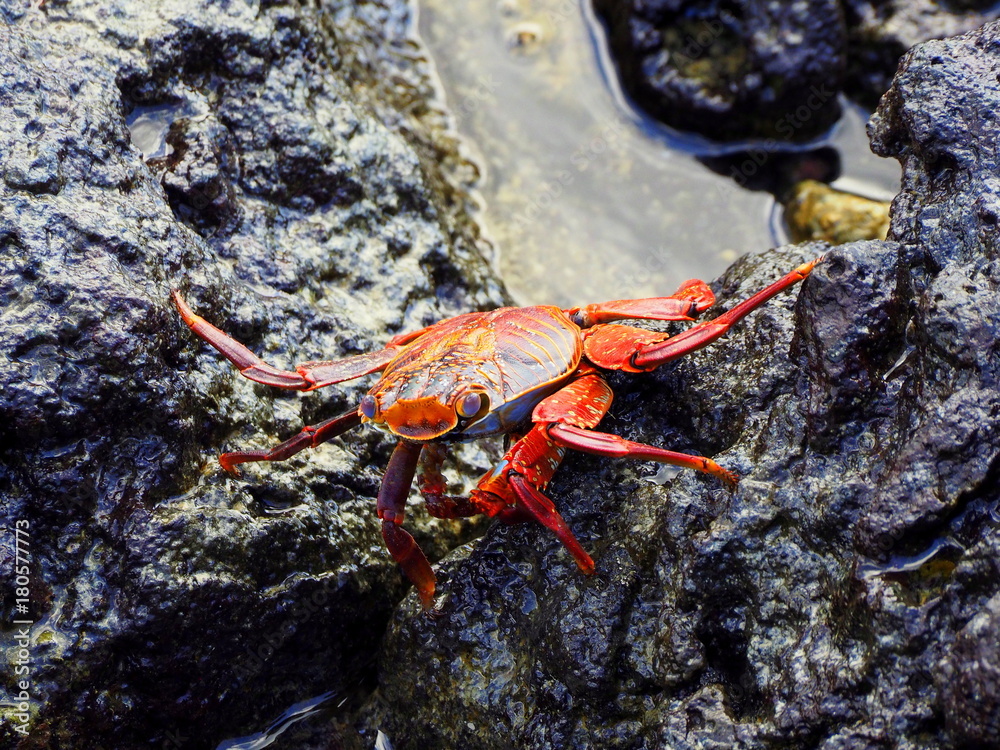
[[303, 194], [879, 32], [731, 70], [845, 594], [771, 71], [969, 679]]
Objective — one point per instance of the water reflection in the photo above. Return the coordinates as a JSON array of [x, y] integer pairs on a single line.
[[150, 125], [295, 714]]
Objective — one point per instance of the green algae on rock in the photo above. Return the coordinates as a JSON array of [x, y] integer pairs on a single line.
[[815, 211]]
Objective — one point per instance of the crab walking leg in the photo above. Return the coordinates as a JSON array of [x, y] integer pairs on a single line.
[[530, 463], [650, 357], [309, 437], [619, 347], [606, 444], [432, 486], [529, 503], [541, 509], [249, 364], [306, 376], [693, 297], [391, 509], [513, 493]]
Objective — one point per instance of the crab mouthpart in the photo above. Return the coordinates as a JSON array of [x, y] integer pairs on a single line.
[[420, 418]]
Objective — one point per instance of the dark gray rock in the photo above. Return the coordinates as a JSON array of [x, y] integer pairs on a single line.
[[732, 70], [969, 680], [844, 596], [302, 202], [935, 120], [879, 32], [771, 71]]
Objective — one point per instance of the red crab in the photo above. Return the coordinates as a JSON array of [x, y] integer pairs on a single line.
[[531, 373]]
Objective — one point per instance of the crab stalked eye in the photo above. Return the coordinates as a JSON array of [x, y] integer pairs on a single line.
[[470, 404], [368, 406]]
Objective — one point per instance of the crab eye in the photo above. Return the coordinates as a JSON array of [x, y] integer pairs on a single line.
[[368, 406], [470, 404]]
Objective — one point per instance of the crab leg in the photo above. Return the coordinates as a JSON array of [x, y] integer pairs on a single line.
[[564, 421], [707, 332], [618, 347], [531, 505], [306, 376], [432, 486], [249, 364], [606, 444], [541, 509], [391, 509], [524, 501], [309, 437], [693, 297], [513, 490]]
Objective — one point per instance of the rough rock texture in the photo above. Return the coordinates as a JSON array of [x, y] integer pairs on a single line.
[[732, 70], [845, 595], [307, 200], [969, 679], [774, 70], [879, 32]]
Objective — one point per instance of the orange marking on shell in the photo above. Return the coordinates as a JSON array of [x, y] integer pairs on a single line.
[[582, 403], [420, 418]]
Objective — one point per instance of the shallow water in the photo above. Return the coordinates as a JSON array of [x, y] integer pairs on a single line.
[[301, 711], [586, 198], [149, 126]]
